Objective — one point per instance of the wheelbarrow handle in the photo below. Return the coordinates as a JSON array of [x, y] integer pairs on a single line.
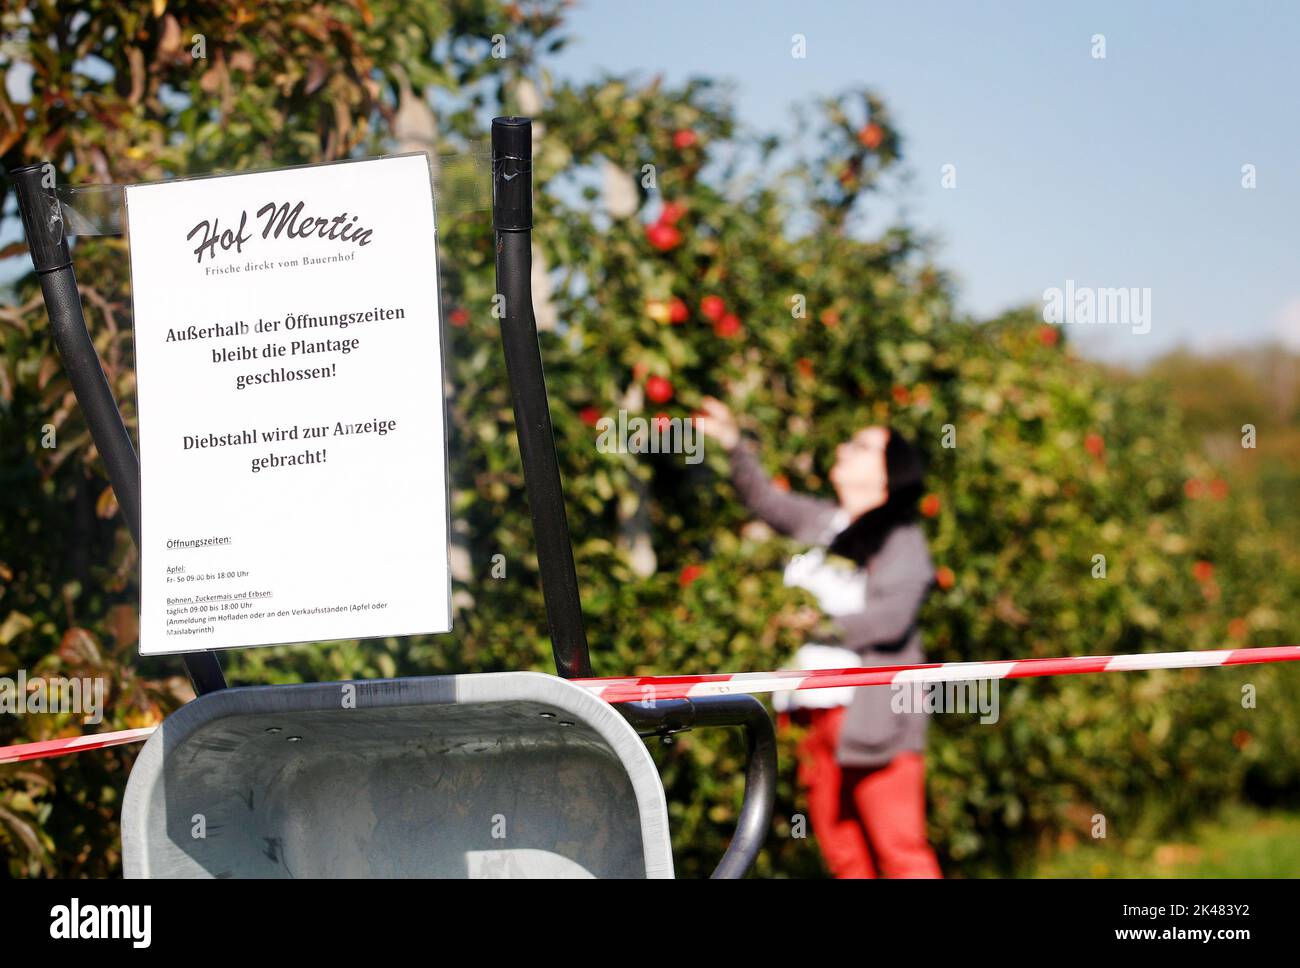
[[512, 220], [665, 717], [42, 218]]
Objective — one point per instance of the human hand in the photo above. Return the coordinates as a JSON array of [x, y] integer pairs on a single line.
[[716, 420]]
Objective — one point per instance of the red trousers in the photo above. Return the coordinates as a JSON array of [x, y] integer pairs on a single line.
[[868, 822]]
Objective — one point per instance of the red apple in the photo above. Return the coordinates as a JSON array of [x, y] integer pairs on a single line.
[[459, 317], [871, 135], [712, 308], [930, 505], [678, 313], [663, 237], [658, 389], [728, 326], [671, 213], [590, 416], [689, 574], [684, 138]]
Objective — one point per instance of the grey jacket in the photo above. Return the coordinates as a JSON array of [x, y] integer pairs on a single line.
[[884, 632]]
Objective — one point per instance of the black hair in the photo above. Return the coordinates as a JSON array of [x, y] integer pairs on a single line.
[[905, 481]]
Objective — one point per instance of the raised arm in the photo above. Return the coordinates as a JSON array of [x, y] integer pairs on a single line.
[[807, 519]]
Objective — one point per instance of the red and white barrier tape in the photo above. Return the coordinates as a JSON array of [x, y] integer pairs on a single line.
[[74, 744], [647, 688]]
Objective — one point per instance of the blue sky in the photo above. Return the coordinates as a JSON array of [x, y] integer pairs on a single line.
[[1123, 171]]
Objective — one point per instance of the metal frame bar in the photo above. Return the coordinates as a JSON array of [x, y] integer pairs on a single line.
[[42, 220], [512, 220], [665, 717]]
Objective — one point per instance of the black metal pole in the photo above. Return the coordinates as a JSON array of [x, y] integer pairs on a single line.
[[512, 218], [42, 220]]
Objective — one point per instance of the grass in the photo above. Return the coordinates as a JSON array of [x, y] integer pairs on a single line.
[[1241, 842]]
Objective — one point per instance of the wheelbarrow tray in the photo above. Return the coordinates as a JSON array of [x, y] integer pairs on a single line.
[[512, 774]]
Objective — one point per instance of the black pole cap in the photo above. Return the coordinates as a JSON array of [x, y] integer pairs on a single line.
[[512, 174], [42, 216]]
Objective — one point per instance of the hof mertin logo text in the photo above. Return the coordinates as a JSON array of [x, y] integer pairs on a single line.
[[277, 219]]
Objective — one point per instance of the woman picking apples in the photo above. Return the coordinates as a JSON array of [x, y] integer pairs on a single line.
[[861, 761]]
